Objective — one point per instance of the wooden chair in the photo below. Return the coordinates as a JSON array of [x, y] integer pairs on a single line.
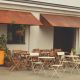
[[36, 65], [57, 67], [24, 59], [14, 61]]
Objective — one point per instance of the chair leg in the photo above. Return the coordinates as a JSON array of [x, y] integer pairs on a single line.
[[56, 71]]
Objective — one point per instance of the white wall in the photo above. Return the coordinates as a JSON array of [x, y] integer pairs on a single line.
[[20, 46], [78, 41], [40, 37], [45, 39]]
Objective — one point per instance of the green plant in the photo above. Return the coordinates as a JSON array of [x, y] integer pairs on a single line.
[[73, 50], [3, 42]]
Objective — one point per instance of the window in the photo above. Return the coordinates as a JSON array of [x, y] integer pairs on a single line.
[[15, 34]]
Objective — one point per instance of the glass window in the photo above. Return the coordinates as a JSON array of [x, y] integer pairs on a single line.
[[15, 34]]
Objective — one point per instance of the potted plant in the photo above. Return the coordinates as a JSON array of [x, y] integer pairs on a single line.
[[3, 48], [73, 51]]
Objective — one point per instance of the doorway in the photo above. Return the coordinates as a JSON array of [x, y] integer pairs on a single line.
[[64, 38]]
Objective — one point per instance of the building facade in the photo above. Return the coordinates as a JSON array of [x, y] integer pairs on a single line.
[[45, 37]]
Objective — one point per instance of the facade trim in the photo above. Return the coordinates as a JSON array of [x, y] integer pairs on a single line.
[[30, 5], [46, 4]]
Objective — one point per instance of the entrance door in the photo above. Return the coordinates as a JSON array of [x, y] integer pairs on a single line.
[[64, 38]]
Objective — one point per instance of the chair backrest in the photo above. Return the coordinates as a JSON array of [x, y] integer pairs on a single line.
[[34, 54], [57, 50], [35, 50], [16, 51], [61, 53], [9, 55]]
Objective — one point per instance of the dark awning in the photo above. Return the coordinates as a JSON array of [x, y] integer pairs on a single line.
[[17, 17], [60, 20]]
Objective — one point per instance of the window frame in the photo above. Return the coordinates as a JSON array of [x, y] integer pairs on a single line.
[[13, 30]]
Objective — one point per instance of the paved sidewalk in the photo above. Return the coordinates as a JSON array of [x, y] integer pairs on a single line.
[[5, 74]]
